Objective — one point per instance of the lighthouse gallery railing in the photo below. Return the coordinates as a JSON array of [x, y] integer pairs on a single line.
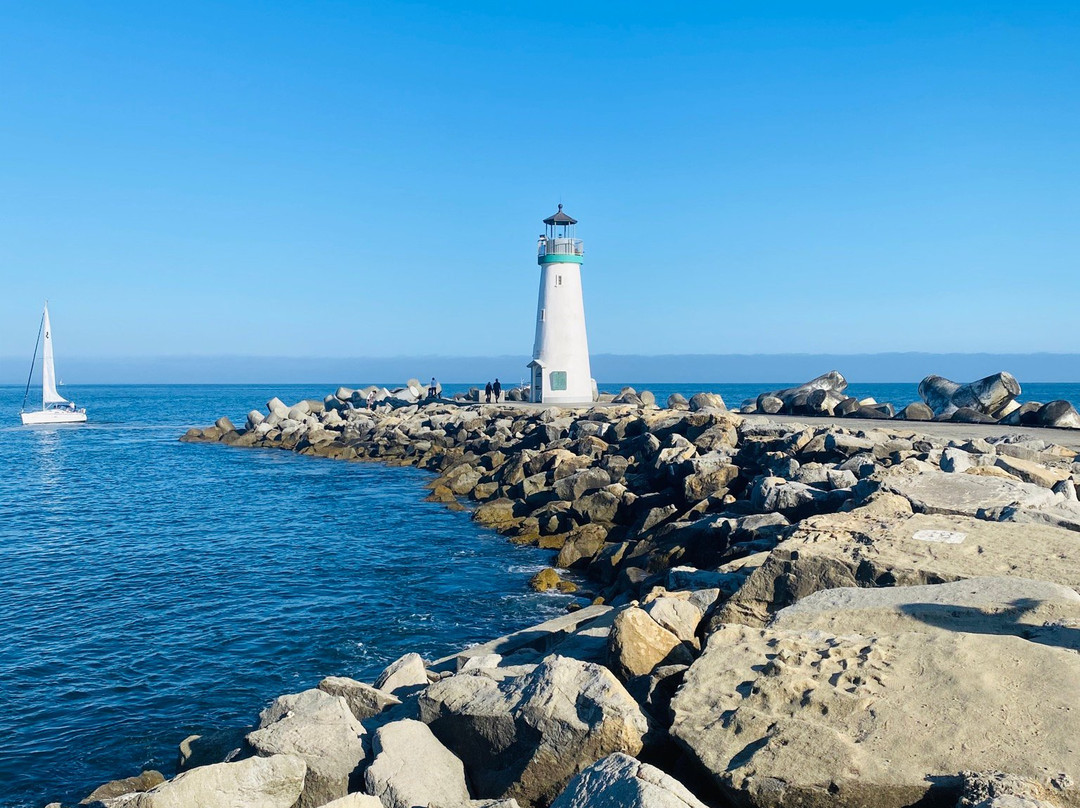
[[561, 246]]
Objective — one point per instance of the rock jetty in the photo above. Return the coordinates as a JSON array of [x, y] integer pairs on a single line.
[[771, 614], [991, 400]]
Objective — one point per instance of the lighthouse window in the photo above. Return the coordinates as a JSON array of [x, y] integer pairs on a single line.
[[558, 380], [558, 280], [543, 315]]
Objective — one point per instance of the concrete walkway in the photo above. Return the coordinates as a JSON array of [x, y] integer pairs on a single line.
[[940, 431]]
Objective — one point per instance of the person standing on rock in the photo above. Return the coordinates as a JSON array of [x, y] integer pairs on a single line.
[[488, 390], [496, 389], [433, 389], [371, 400]]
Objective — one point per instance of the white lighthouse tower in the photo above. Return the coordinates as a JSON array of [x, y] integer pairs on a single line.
[[560, 366]]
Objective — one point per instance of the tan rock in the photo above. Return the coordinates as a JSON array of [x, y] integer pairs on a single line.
[[258, 782], [638, 644], [876, 546], [819, 720], [1033, 473]]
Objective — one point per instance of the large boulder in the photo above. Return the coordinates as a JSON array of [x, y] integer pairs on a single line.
[[577, 485], [620, 781], [257, 782], [962, 494], [403, 676], [364, 700], [411, 768], [127, 785], [1038, 611], [525, 736], [885, 544], [1061, 414], [322, 731], [639, 644], [702, 401], [989, 396], [797, 397], [915, 411], [824, 720]]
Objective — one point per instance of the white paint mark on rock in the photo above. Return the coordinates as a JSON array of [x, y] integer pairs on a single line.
[[940, 536]]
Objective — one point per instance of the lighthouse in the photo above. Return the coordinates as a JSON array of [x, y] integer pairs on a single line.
[[560, 366]]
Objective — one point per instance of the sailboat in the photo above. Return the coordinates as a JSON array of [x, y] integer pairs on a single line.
[[55, 409]]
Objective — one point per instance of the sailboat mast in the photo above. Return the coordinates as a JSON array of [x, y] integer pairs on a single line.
[[26, 393]]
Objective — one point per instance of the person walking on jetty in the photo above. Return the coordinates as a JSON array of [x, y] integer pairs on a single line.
[[371, 399], [488, 390], [433, 388], [496, 389]]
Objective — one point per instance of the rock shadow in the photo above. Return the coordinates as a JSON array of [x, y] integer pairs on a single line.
[[972, 620]]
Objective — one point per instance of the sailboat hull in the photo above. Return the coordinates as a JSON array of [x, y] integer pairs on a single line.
[[54, 417]]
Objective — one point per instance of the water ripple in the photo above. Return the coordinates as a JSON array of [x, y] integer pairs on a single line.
[[157, 589]]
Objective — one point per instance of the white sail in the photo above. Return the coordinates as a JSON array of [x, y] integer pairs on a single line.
[[49, 395]]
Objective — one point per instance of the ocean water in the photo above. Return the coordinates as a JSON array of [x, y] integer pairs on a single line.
[[154, 589]]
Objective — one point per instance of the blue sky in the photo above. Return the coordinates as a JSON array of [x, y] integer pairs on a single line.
[[368, 179]]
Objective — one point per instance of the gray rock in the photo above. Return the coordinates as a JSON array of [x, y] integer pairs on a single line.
[[577, 485], [962, 494], [628, 395], [217, 746], [955, 461], [676, 401], [678, 615], [411, 768], [598, 506], [526, 736], [322, 731], [915, 411], [969, 415], [681, 578], [989, 395], [258, 782], [833, 381], [701, 401], [620, 781], [403, 676], [1061, 414], [793, 500], [769, 404], [364, 700], [276, 406]]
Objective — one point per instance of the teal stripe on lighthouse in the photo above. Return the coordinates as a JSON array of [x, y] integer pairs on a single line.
[[558, 259]]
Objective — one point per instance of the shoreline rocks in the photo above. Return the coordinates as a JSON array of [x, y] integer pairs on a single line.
[[768, 614]]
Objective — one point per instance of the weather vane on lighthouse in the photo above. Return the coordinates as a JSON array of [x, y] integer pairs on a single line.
[[560, 366]]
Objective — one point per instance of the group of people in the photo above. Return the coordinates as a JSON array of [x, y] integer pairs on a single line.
[[492, 390]]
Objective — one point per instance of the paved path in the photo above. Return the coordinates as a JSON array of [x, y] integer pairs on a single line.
[[941, 431]]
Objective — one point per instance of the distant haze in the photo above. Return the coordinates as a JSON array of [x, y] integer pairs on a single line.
[[607, 368]]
